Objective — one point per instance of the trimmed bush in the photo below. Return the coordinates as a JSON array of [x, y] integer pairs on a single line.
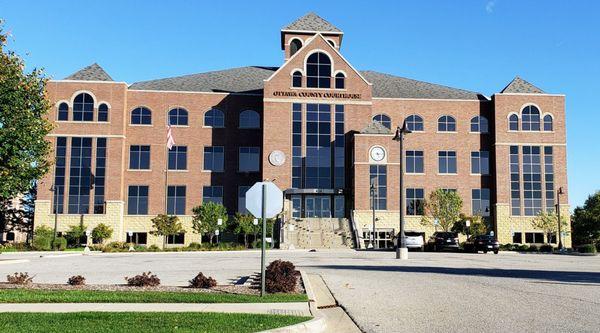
[[42, 238], [586, 248], [116, 247], [153, 248], [201, 281], [60, 244], [76, 280], [19, 278], [281, 277], [143, 280], [546, 248], [533, 248], [522, 247]]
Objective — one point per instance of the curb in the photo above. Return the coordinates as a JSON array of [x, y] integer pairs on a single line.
[[13, 261]]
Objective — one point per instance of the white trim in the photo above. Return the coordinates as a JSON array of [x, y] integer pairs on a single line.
[[107, 104], [87, 92], [543, 144], [192, 92], [88, 135], [547, 114], [332, 42], [297, 70], [372, 134], [59, 102], [313, 32], [87, 81], [82, 122], [529, 104], [139, 170], [313, 51], [129, 114], [322, 101], [385, 156], [526, 94], [433, 99], [340, 71], [204, 118]]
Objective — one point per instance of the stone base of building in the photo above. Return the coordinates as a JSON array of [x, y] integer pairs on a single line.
[[317, 233]]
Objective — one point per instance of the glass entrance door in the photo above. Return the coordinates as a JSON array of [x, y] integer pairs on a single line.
[[317, 206]]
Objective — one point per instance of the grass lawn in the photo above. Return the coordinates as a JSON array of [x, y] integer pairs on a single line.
[[91, 296], [142, 322]]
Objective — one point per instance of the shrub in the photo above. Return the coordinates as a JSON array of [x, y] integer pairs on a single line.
[[42, 238], [101, 232], [281, 277], [76, 280], [598, 247], [507, 247], [522, 248], [534, 248], [60, 243], [586, 248], [195, 246], [153, 248], [19, 278], [201, 281], [546, 248], [116, 247], [143, 280]]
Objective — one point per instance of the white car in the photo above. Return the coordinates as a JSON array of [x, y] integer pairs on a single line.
[[412, 239]]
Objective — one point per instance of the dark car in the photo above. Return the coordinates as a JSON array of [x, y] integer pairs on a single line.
[[483, 243], [441, 240]]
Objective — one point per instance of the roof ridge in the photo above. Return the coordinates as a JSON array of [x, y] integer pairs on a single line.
[[519, 85], [93, 72], [311, 21]]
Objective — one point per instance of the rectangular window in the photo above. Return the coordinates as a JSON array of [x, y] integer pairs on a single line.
[[139, 157], [296, 206], [242, 199], [297, 145], [415, 201], [339, 147], [414, 161], [138, 238], [447, 162], [532, 180], [177, 239], [480, 162], [378, 180], [318, 146], [176, 200], [137, 200], [249, 159], [534, 237], [178, 158], [339, 209], [212, 194], [80, 176], [214, 159], [549, 178], [515, 183], [517, 237], [480, 201], [59, 175], [100, 176]]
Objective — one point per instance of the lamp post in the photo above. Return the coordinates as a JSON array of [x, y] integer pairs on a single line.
[[401, 250], [558, 194], [219, 223], [54, 190], [372, 245]]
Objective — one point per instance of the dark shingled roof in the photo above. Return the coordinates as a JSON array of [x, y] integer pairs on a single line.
[[376, 128], [311, 22], [92, 72], [518, 85]]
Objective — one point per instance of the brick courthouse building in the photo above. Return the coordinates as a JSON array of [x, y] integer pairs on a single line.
[[322, 129]]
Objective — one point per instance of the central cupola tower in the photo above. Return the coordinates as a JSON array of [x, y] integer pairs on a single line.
[[295, 35]]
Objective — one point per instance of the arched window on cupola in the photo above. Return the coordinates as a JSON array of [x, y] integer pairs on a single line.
[[295, 45]]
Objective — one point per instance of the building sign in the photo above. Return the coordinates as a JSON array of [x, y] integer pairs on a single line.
[[316, 94]]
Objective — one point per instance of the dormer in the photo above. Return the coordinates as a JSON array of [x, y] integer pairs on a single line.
[[295, 35]]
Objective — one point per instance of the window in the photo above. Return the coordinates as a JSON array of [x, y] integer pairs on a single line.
[[141, 116], [297, 79], [176, 200], [339, 176], [213, 159], [83, 108], [59, 175], [517, 237], [446, 124], [532, 180], [415, 201], [479, 124], [383, 120], [515, 183], [249, 159], [178, 158], [214, 118], [80, 176], [137, 200], [242, 199], [378, 179], [178, 117], [447, 162], [139, 157], [297, 145], [480, 162], [103, 112], [340, 81], [513, 122], [549, 178], [530, 116], [339, 206], [296, 206], [177, 239], [414, 161], [318, 71], [213, 194], [63, 112], [548, 123], [137, 238], [534, 237], [249, 119], [480, 201], [318, 146], [100, 176], [295, 45], [10, 236], [414, 123]]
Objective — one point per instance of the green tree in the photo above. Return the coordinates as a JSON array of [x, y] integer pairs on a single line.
[[42, 238], [75, 233], [478, 225], [586, 221], [166, 225], [206, 216], [243, 224], [101, 232], [443, 206], [548, 223]]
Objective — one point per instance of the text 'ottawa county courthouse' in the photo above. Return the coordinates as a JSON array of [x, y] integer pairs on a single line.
[[321, 128]]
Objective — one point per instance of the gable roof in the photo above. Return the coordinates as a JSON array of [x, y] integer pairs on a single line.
[[312, 22], [92, 72], [518, 85], [376, 127]]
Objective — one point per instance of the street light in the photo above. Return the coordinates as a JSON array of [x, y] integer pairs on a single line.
[[372, 245], [558, 194], [55, 189], [401, 250]]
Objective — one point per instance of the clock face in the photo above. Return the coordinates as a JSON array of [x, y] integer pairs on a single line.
[[277, 158], [377, 154]]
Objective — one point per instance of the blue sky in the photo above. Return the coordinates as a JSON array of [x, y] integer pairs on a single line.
[[478, 45]]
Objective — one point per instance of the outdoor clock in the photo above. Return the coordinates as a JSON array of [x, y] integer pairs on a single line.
[[277, 158], [377, 154]]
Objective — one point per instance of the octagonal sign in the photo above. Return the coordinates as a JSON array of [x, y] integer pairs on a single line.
[[274, 199]]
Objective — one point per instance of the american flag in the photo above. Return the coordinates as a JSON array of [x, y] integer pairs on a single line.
[[170, 140]]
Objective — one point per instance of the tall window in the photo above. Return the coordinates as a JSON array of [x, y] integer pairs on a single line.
[[447, 162], [295, 45], [530, 117], [549, 178], [242, 199], [176, 200], [83, 108], [103, 112], [214, 159], [479, 124], [100, 176], [532, 180], [214, 118], [383, 120], [249, 119], [480, 201], [297, 79], [178, 158], [139, 157], [415, 201], [446, 124], [141, 116], [178, 117], [249, 159], [513, 122], [339, 147], [414, 161], [547, 122], [318, 146], [297, 145], [414, 123], [378, 179], [59, 175], [480, 162], [515, 182], [63, 112], [212, 194], [80, 176], [340, 79], [318, 71], [137, 200]]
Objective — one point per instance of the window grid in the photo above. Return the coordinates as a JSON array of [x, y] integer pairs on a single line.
[[63, 112], [214, 118], [340, 81], [479, 124], [249, 119], [549, 178], [139, 157], [83, 108], [137, 200], [141, 116], [447, 162], [297, 79], [178, 117], [530, 118], [515, 183], [414, 123], [59, 175], [242, 199], [297, 145], [176, 200], [212, 194], [103, 112], [100, 176], [378, 179], [532, 180], [548, 123], [178, 158], [446, 124], [214, 158], [415, 201], [80, 176], [480, 162], [249, 159], [513, 122], [339, 148], [318, 71], [318, 146], [415, 162], [480, 201], [383, 120]]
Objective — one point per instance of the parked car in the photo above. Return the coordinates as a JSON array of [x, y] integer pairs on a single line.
[[412, 239], [442, 240], [483, 243]]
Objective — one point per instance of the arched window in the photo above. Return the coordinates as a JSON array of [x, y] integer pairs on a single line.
[[513, 122], [63, 111], [548, 123], [318, 71], [83, 108], [414, 123], [340, 79], [249, 119], [479, 124], [178, 117], [383, 120], [332, 43], [295, 45], [446, 124], [141, 116], [103, 112], [530, 118], [214, 118], [297, 79]]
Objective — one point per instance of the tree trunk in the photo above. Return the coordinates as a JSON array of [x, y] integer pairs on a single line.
[[164, 241]]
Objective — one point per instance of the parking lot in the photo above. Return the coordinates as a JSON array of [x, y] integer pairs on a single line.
[[436, 292]]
